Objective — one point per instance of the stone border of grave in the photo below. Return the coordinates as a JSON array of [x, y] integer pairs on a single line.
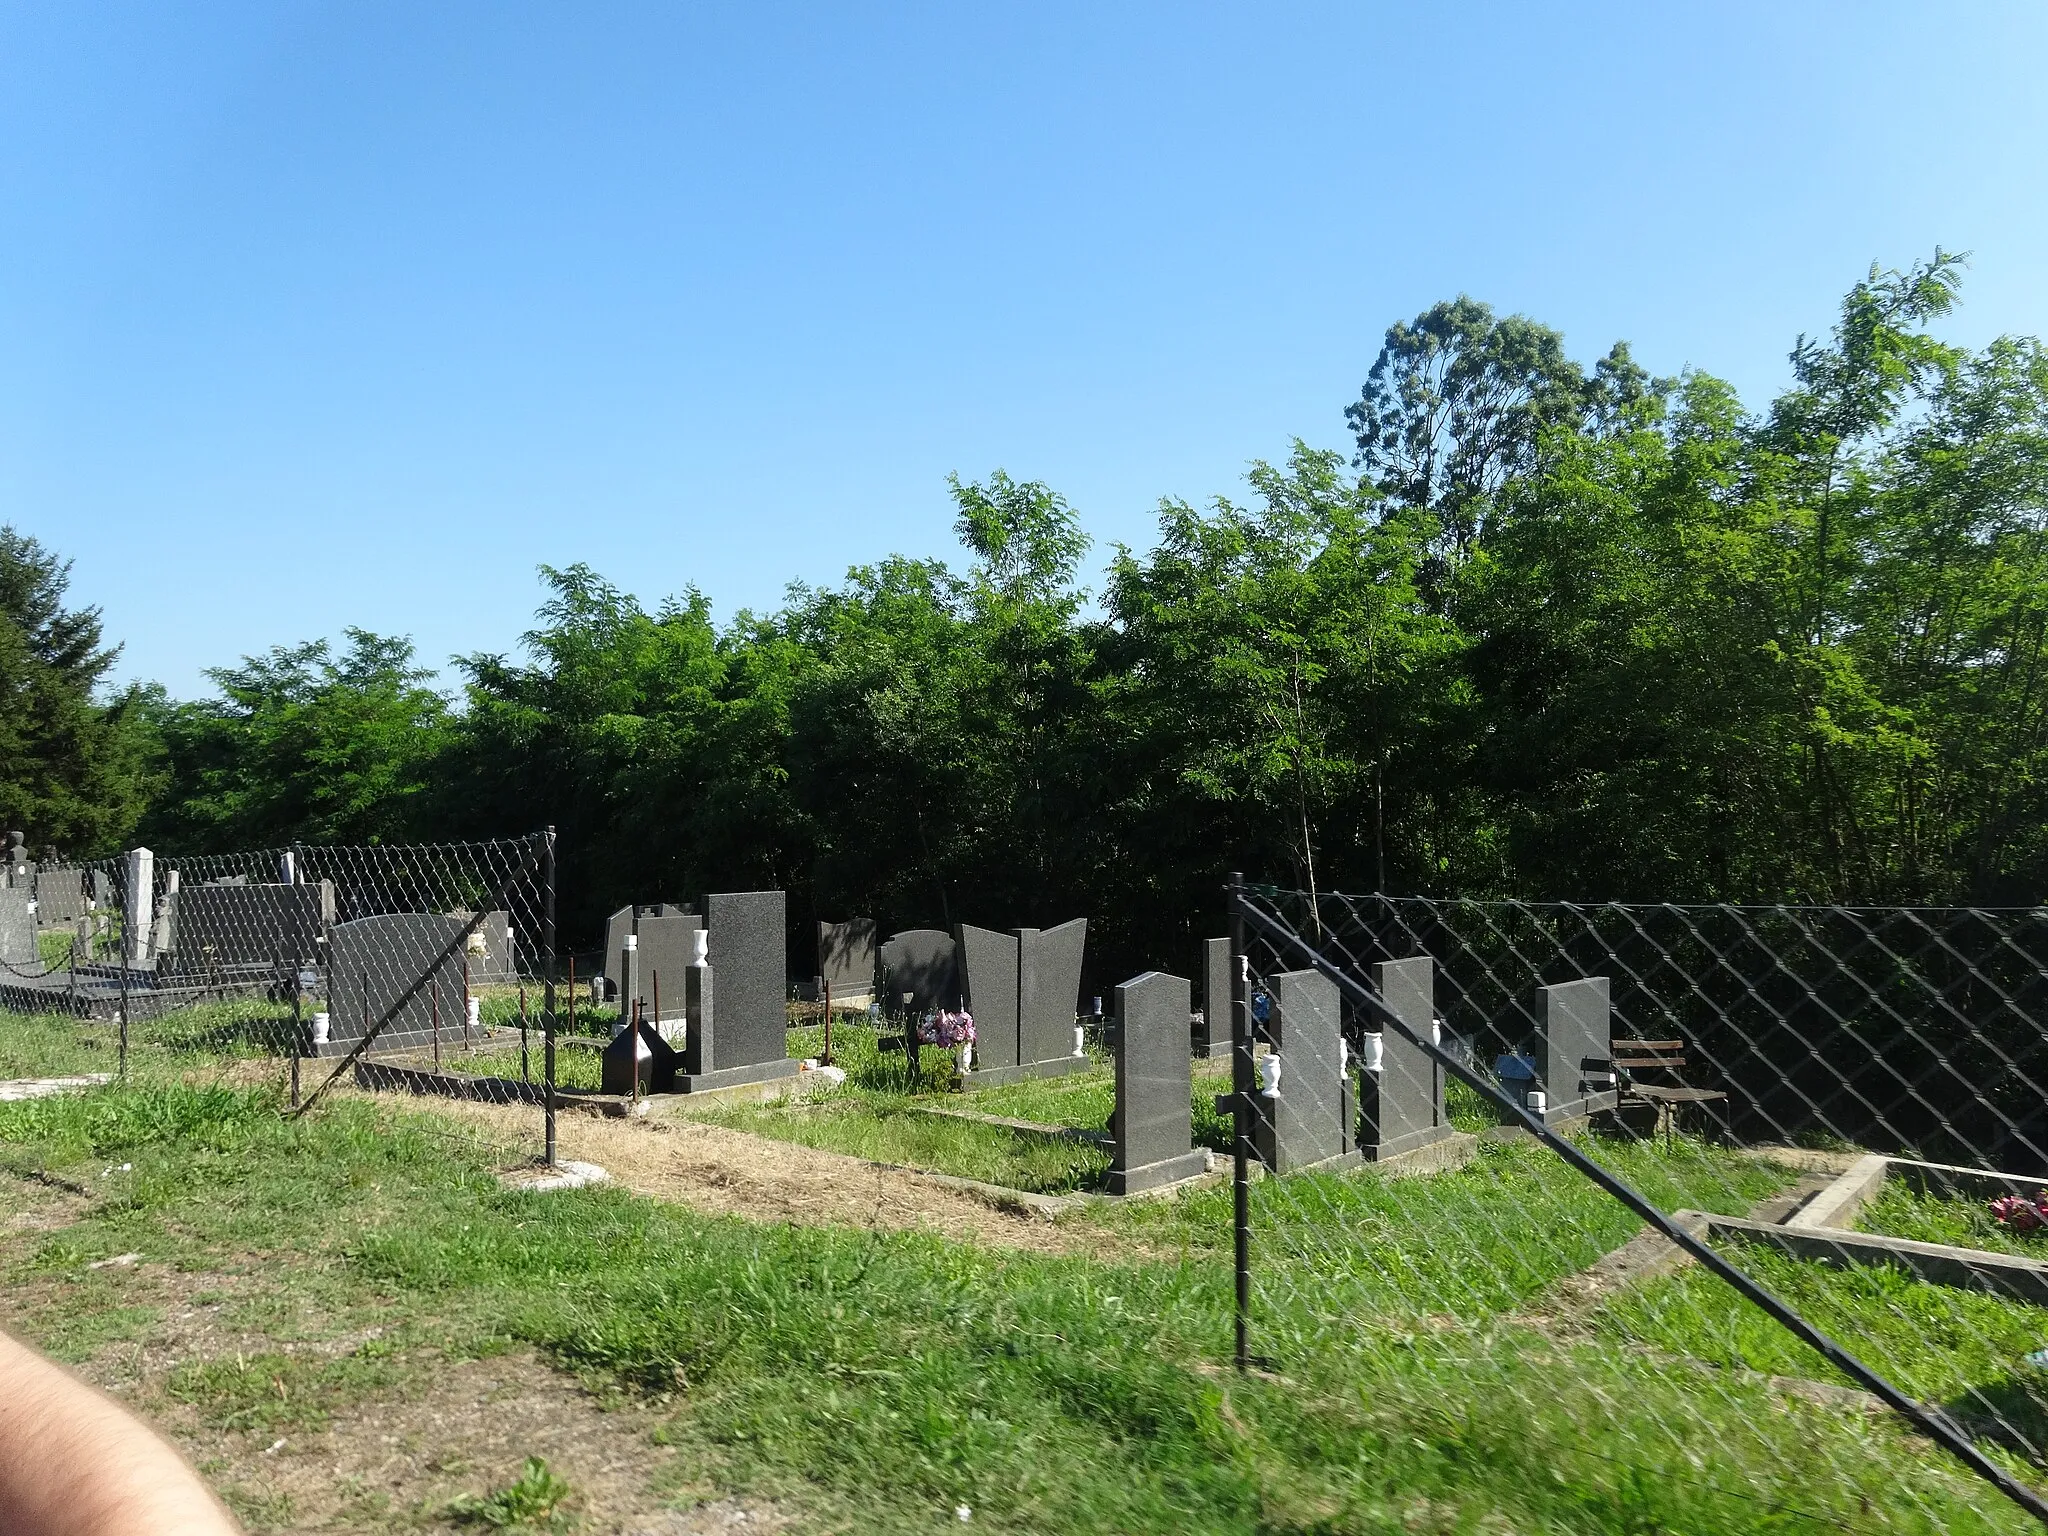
[[1821, 1227]]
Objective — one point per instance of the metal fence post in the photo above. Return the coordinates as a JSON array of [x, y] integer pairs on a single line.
[[547, 1017], [1241, 1117]]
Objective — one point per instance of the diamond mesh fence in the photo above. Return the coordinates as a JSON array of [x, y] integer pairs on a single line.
[[1753, 1195], [426, 969]]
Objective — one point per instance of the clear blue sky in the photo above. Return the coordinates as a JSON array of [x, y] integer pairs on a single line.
[[318, 315]]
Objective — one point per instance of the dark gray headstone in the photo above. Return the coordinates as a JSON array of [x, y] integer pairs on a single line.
[[1213, 1037], [372, 963], [749, 959], [924, 963], [1304, 1125], [1154, 1086], [700, 1009], [1577, 1045], [1401, 1106], [60, 897], [846, 957], [666, 946], [489, 949], [221, 926], [988, 987], [1049, 990], [17, 928]]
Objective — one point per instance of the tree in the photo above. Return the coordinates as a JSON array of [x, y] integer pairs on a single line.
[[75, 772]]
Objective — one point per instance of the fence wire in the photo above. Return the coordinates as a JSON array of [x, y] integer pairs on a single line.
[[1749, 1192], [424, 968]]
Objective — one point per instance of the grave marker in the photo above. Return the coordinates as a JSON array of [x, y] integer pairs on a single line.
[[1402, 1103], [371, 963], [1303, 1125], [1154, 1122], [746, 1033], [17, 928], [1575, 1063], [1212, 1036], [210, 928], [60, 897], [923, 962], [988, 977], [846, 959], [1048, 996]]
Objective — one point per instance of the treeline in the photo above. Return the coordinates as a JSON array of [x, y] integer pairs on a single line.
[[1550, 630]]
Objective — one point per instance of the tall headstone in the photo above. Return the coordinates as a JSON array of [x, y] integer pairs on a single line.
[[1302, 1125], [748, 1037], [1048, 995], [1154, 1086], [988, 977], [138, 907], [1401, 1104], [1576, 1062], [405, 964], [1212, 1036], [18, 928], [846, 959], [922, 963], [18, 873], [663, 929], [60, 897]]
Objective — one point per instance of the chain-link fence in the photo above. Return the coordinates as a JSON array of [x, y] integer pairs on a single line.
[[1739, 1198], [427, 969]]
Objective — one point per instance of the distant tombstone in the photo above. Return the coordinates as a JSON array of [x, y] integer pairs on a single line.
[[846, 958], [17, 861], [664, 947], [1213, 1035], [1048, 995], [60, 897], [1154, 1086], [1302, 1126], [404, 964], [1401, 1105], [488, 949], [1575, 1064], [988, 990], [138, 906], [923, 964], [18, 928], [747, 1040], [215, 927]]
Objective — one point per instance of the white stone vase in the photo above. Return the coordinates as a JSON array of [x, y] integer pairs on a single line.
[[964, 1054], [320, 1028]]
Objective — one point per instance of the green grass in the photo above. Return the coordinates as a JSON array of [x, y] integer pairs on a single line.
[[899, 1375], [1900, 1211]]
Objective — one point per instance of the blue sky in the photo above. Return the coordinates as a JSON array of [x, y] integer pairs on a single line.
[[319, 315]]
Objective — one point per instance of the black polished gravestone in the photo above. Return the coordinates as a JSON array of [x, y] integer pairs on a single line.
[[988, 991], [846, 959], [222, 927], [1212, 1035], [1048, 998], [1303, 1125], [923, 965], [60, 897], [1154, 1124], [374, 962], [743, 1035], [1576, 1064], [1401, 1104]]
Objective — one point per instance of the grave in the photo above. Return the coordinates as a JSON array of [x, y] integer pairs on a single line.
[[1048, 998], [846, 960], [492, 962], [1212, 1035], [988, 990], [922, 964], [668, 942], [1575, 1066], [374, 961], [18, 929], [1303, 1124], [207, 929], [18, 872], [1154, 1124], [737, 1004], [1401, 1100], [60, 897]]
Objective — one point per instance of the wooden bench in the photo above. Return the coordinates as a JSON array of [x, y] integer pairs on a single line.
[[1667, 1059]]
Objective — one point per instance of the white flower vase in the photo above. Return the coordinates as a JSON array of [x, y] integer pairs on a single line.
[[965, 1054], [321, 1025], [1080, 1040]]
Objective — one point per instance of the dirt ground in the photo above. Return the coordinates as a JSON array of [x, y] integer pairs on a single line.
[[725, 1172]]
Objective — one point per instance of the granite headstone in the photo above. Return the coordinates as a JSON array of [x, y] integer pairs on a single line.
[[923, 963], [60, 897], [988, 990], [1303, 1125], [748, 956], [1212, 1036], [218, 926], [1049, 991], [1575, 1064], [374, 962], [18, 927], [1154, 1086], [846, 959], [1401, 1106]]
